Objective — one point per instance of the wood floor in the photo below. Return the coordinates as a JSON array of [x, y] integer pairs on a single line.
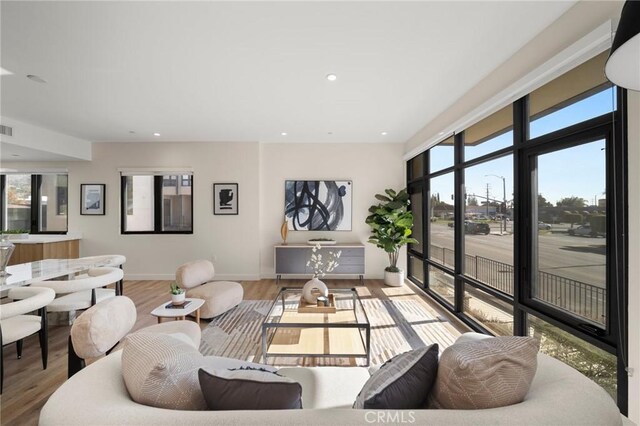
[[27, 386]]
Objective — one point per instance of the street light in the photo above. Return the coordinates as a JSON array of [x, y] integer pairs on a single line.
[[503, 224]]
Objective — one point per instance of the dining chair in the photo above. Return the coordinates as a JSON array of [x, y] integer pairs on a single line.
[[82, 291], [112, 260], [17, 321]]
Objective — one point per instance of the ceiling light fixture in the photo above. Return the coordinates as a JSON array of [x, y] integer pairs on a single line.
[[332, 77], [623, 66], [384, 133], [36, 78], [283, 134], [156, 134], [5, 72]]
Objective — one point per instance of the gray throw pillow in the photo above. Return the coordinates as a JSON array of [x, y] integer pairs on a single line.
[[488, 373], [249, 389], [403, 382]]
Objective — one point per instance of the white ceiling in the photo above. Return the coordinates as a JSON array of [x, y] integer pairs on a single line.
[[240, 71]]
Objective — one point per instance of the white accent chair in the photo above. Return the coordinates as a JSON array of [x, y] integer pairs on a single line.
[[99, 329], [15, 324], [220, 296], [84, 291], [112, 260]]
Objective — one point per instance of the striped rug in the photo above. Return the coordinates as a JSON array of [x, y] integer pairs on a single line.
[[396, 326]]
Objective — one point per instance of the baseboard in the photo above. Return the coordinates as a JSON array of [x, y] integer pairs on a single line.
[[171, 277]]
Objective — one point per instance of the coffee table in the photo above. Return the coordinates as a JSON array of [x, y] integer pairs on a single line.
[[178, 313], [345, 333]]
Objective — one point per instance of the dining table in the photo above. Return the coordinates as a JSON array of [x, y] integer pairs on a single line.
[[41, 270]]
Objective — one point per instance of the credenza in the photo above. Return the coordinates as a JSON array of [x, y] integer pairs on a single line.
[[291, 259]]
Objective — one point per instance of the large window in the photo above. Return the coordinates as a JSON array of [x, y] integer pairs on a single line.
[[157, 204], [19, 211], [522, 223]]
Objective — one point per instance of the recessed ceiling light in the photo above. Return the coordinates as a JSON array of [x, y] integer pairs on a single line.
[[384, 133], [156, 134], [36, 78], [329, 133], [332, 77], [283, 134], [132, 132], [5, 72]]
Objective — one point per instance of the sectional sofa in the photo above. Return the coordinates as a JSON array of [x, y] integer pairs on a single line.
[[559, 395]]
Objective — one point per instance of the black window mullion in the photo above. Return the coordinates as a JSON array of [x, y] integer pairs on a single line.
[[36, 181], [157, 203], [520, 211], [123, 204], [3, 207], [458, 220]]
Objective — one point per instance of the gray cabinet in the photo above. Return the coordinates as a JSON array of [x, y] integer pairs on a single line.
[[291, 259]]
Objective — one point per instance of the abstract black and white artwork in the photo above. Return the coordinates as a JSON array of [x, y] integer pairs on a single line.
[[318, 205], [225, 198]]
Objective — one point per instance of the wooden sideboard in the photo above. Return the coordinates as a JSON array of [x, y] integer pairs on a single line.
[[291, 259], [39, 248]]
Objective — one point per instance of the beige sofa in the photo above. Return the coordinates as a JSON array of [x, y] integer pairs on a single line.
[[559, 395]]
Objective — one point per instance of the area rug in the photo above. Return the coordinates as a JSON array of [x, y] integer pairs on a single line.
[[396, 326]]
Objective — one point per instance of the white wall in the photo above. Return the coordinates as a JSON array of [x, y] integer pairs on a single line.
[[233, 240], [242, 245], [371, 167]]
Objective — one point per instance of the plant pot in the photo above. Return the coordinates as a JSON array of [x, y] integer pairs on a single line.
[[394, 279], [308, 293], [178, 299]]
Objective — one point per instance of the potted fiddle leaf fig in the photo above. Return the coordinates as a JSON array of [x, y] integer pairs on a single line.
[[391, 223]]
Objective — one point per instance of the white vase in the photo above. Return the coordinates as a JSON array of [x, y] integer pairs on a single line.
[[394, 279], [178, 299], [314, 284]]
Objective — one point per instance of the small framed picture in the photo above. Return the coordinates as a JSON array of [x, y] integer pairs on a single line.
[[92, 198], [225, 198]]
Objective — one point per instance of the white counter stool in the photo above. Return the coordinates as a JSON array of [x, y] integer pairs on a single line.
[[197, 278], [100, 328], [84, 291], [15, 325], [112, 260]]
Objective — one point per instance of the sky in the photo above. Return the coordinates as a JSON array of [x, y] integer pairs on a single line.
[[577, 171]]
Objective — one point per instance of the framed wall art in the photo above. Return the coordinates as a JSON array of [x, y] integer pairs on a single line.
[[318, 205], [92, 196], [225, 198]]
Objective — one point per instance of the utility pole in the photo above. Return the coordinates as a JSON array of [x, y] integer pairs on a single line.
[[503, 222], [488, 187]]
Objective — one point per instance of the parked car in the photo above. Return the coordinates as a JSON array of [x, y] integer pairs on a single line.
[[582, 231], [545, 226], [476, 227]]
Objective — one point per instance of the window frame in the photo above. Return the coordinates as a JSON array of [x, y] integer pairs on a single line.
[[35, 208], [610, 126], [158, 185]]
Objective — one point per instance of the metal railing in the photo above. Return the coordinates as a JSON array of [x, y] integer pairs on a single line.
[[579, 298]]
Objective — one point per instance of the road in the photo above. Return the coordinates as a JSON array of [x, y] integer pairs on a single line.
[[578, 258]]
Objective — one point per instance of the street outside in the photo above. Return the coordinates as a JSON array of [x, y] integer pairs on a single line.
[[577, 258]]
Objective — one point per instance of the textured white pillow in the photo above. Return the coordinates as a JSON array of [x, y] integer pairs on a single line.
[[161, 370]]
